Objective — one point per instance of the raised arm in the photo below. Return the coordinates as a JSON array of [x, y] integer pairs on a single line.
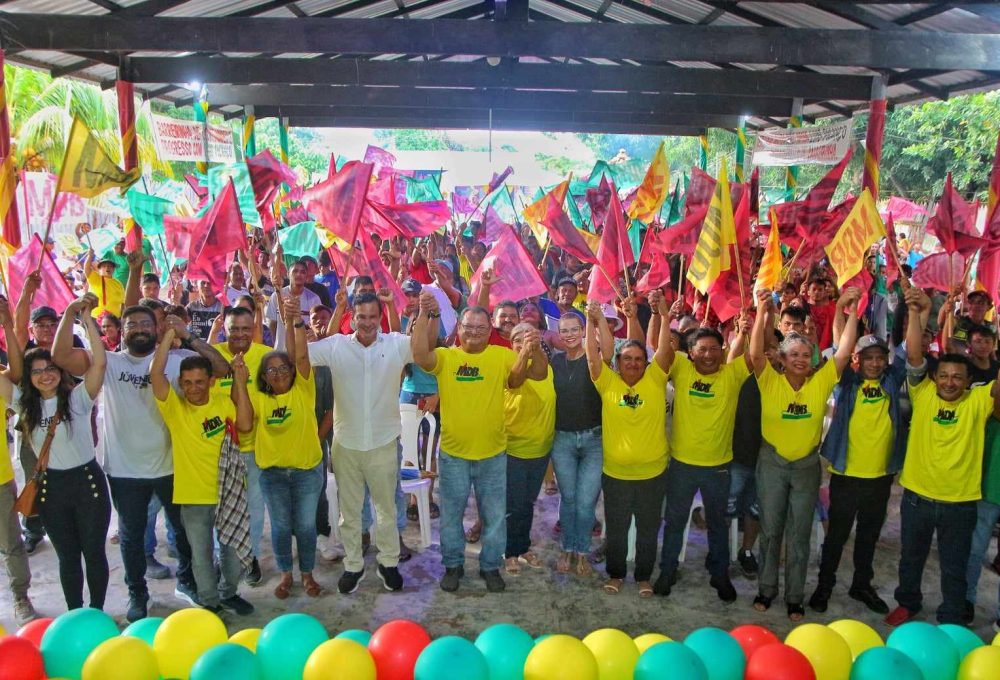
[[849, 334], [340, 297], [916, 302], [739, 344], [240, 395], [519, 371], [538, 369], [664, 355], [590, 343], [420, 345], [385, 296], [443, 278], [15, 363], [93, 379], [486, 282], [761, 326], [76, 360], [220, 367], [22, 312], [132, 292], [605, 336], [158, 369], [633, 329], [296, 343]]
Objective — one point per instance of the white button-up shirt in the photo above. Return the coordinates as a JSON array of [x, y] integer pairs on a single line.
[[366, 384]]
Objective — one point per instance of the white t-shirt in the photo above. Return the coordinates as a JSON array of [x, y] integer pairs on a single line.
[[133, 436], [73, 442], [307, 301], [233, 295]]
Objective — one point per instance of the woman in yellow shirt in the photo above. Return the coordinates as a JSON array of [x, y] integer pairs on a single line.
[[633, 415], [288, 452], [793, 403]]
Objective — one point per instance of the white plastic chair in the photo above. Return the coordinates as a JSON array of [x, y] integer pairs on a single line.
[[420, 487]]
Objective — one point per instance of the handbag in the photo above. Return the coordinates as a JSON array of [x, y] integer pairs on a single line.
[[27, 500]]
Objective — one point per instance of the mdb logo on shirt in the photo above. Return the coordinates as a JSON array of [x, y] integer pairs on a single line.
[[212, 426], [701, 389], [946, 416], [279, 415], [631, 401], [466, 373], [796, 412], [872, 395]]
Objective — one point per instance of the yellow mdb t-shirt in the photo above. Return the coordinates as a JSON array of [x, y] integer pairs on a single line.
[[530, 414], [286, 427], [110, 294], [792, 421], [472, 400], [196, 434], [224, 386], [869, 434], [634, 423], [705, 411], [944, 456]]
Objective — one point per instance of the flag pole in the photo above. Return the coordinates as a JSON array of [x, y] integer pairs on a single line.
[[614, 286], [680, 282], [739, 276]]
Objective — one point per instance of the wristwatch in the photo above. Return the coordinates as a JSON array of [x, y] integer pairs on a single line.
[[433, 315], [298, 324]]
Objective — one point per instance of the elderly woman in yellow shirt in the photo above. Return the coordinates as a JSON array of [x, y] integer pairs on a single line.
[[793, 403]]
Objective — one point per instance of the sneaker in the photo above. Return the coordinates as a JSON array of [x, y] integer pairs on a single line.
[[664, 583], [820, 600], [494, 581], [748, 564], [390, 577], [405, 554], [237, 604], [254, 576], [452, 577], [329, 550], [136, 608], [899, 616], [349, 581], [724, 587], [31, 543], [185, 592], [214, 608], [24, 611], [155, 570], [868, 596]]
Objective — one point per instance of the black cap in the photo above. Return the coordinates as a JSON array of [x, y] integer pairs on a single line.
[[40, 313], [411, 286], [107, 260], [568, 281]]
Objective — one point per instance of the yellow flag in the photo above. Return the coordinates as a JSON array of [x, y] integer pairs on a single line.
[[769, 274], [862, 228], [711, 255], [653, 191], [593, 240], [8, 183], [87, 171], [536, 212]]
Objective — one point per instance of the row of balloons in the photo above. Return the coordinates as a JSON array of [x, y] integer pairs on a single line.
[[193, 644]]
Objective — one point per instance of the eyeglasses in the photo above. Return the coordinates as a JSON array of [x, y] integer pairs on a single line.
[[51, 368], [274, 371], [132, 325], [475, 330]]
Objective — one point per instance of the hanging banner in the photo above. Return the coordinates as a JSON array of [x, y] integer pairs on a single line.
[[181, 140], [34, 198], [812, 145]]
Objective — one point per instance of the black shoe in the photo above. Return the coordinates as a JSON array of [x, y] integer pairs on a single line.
[[748, 564], [31, 542], [155, 570], [820, 599], [494, 581], [452, 577], [969, 615], [349, 581], [137, 608], [869, 597], [186, 592], [724, 587], [237, 604], [390, 577], [664, 583], [405, 554], [214, 608], [254, 576]]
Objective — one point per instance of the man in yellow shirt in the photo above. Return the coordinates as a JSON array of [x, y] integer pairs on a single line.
[[471, 382], [197, 422], [942, 473]]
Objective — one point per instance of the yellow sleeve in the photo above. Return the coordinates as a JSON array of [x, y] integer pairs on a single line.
[[442, 356], [984, 398], [169, 407], [678, 369], [657, 374], [605, 379]]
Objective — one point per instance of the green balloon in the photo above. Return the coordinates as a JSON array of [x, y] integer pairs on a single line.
[[285, 645], [506, 648], [71, 638], [670, 661], [929, 647], [144, 629], [227, 660], [879, 663], [965, 640], [451, 657], [360, 636]]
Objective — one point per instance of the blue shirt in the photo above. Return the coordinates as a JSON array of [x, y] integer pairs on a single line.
[[330, 281]]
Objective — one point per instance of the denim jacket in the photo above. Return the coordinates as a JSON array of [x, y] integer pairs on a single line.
[[834, 447]]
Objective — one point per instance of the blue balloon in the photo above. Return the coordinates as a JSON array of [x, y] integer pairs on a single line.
[[884, 663], [719, 651], [934, 652], [144, 629], [228, 660], [451, 657], [360, 636], [670, 661], [506, 648], [965, 640], [68, 641], [286, 643]]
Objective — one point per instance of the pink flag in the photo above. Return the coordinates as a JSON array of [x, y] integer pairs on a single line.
[[414, 220], [599, 199], [699, 191], [863, 282], [682, 237], [338, 201], [940, 271], [219, 233], [954, 222], [493, 226], [903, 210], [366, 260], [657, 276], [614, 254], [499, 179], [519, 279], [267, 174], [379, 158], [988, 275], [563, 233], [54, 292], [341, 261]]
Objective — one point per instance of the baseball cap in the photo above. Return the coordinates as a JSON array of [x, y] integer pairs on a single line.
[[611, 314], [43, 312], [443, 262], [107, 260], [411, 287], [869, 341], [567, 281], [982, 293]]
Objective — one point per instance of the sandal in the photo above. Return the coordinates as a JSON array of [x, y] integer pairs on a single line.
[[474, 533], [645, 589], [284, 587], [583, 568], [563, 563], [796, 612], [312, 588], [531, 559], [613, 586], [761, 603], [512, 566], [551, 489]]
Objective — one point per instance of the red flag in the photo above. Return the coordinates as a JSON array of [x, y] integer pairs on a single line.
[[903, 210], [755, 195], [499, 179], [340, 261], [614, 254], [941, 271], [873, 147], [338, 201], [379, 159], [599, 199], [563, 233], [365, 259], [54, 291], [728, 298], [519, 279], [954, 222], [863, 282], [125, 92], [267, 174], [891, 248], [699, 191], [200, 190], [657, 276], [682, 237], [414, 220], [220, 233], [817, 201], [988, 274]]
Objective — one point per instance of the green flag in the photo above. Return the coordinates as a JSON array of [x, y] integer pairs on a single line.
[[148, 211], [299, 241], [219, 175], [674, 211], [635, 237], [423, 189], [574, 213]]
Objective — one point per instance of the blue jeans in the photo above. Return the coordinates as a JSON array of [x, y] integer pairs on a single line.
[[954, 524], [489, 478], [683, 482], [255, 502], [987, 515], [577, 458], [292, 495], [524, 481], [742, 492], [150, 538]]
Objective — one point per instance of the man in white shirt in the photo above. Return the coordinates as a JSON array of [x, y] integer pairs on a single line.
[[297, 288]]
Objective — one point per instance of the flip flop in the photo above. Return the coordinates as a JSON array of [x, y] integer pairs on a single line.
[[613, 586], [645, 589]]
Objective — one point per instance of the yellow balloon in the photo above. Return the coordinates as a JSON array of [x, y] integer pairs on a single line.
[[246, 638], [644, 642], [339, 659], [982, 663], [183, 637], [615, 652], [860, 637], [827, 651], [560, 657], [121, 658]]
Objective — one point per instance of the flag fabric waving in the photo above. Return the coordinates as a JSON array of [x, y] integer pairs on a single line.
[[993, 198], [148, 211], [653, 191], [769, 272], [855, 237], [564, 234], [267, 174], [614, 254], [536, 212], [414, 220], [940, 271], [711, 256], [54, 291], [682, 237], [209, 242], [87, 170], [10, 235], [519, 279], [337, 202], [954, 222]]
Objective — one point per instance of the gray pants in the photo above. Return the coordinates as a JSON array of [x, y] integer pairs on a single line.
[[15, 559], [199, 523], [788, 493]]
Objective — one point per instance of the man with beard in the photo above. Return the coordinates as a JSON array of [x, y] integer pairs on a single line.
[[136, 442]]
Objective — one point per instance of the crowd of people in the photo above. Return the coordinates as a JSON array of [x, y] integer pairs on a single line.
[[225, 406]]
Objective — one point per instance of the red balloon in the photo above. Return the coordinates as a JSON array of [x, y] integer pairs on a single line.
[[778, 661], [34, 630], [21, 659], [395, 647], [752, 638]]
